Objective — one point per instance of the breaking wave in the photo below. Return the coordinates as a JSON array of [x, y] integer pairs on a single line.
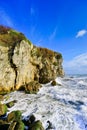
[[63, 107]]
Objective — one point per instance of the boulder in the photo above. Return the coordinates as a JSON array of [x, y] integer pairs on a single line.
[[15, 121], [12, 126], [30, 119], [32, 87], [17, 126], [14, 116], [37, 125], [49, 126], [53, 83], [11, 103], [3, 109]]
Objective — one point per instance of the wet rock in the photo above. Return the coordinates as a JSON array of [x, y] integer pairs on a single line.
[[26, 122], [32, 124], [49, 125], [1, 98], [16, 126], [20, 126], [7, 97], [3, 124], [12, 126], [29, 120], [4, 127], [32, 119], [11, 104], [14, 116], [36, 126], [53, 83], [32, 87], [3, 109], [14, 121]]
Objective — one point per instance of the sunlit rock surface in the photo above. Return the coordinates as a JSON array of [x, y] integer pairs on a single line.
[[21, 62]]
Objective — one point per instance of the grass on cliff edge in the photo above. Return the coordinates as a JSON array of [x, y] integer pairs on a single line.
[[9, 36], [44, 52]]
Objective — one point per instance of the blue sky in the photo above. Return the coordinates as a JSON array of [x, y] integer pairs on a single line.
[[60, 25]]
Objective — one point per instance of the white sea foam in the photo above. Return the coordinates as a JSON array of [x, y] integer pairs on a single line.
[[64, 105]]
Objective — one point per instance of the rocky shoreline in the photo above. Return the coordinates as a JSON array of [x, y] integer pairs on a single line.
[[15, 121], [24, 67]]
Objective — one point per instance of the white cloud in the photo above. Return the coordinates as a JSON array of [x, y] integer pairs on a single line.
[[78, 65], [81, 33], [5, 19], [53, 34]]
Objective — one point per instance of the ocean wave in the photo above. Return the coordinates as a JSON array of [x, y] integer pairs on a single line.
[[64, 106]]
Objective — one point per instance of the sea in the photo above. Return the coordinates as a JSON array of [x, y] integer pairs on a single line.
[[60, 107]]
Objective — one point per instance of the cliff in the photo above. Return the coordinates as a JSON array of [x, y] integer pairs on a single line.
[[21, 62]]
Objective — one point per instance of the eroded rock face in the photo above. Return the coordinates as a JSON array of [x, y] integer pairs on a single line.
[[48, 64], [21, 58], [7, 74], [21, 62]]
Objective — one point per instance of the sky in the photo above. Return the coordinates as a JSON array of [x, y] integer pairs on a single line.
[[59, 25]]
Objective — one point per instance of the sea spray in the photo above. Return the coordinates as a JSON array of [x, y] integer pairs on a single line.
[[64, 106]]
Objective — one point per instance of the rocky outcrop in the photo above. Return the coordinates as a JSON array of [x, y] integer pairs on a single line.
[[32, 87], [21, 62], [48, 64], [3, 109], [15, 121]]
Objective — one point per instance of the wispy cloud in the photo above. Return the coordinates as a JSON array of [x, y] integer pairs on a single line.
[[53, 34], [81, 33], [5, 19], [32, 11], [39, 42], [77, 65]]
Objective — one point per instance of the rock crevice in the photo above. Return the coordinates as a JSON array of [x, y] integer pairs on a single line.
[[12, 64]]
